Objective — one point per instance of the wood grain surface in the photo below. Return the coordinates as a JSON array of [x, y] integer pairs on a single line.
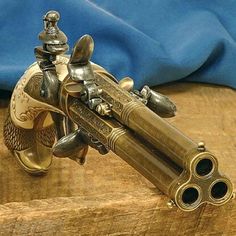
[[108, 197]]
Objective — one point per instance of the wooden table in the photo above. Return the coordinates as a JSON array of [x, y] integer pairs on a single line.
[[108, 197]]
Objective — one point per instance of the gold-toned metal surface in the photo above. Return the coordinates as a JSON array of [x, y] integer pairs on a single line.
[[90, 108], [127, 84], [187, 181]]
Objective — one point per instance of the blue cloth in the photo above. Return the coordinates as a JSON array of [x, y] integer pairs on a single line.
[[152, 41]]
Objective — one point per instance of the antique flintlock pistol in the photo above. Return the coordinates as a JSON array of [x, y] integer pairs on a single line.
[[63, 104]]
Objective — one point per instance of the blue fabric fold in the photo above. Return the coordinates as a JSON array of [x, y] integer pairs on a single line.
[[153, 42]]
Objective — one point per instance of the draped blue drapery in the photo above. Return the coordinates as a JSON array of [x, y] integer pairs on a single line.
[[152, 41]]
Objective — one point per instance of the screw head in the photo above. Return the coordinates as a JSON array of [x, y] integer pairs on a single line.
[[201, 146], [170, 204]]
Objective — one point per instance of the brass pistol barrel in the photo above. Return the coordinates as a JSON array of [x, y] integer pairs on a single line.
[[162, 173], [186, 190], [161, 153], [161, 134], [201, 164]]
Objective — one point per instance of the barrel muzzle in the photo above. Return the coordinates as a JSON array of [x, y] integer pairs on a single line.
[[203, 183]]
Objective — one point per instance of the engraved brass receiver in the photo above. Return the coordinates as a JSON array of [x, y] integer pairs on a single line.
[[90, 108]]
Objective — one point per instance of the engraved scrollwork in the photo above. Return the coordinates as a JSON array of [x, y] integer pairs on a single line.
[[30, 114], [19, 94], [85, 118], [113, 94]]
